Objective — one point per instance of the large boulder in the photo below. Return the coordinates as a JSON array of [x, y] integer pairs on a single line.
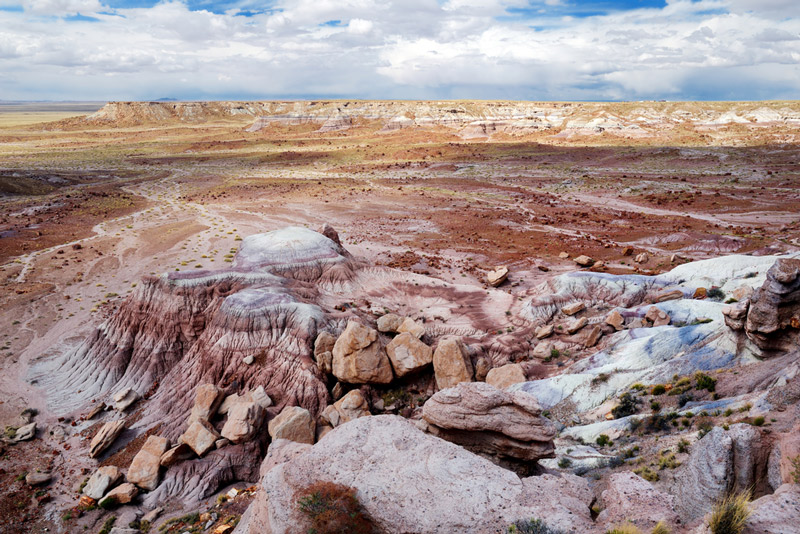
[[775, 306], [721, 462], [507, 375], [451, 363], [145, 465], [122, 494], [408, 481], [351, 406], [485, 419], [200, 436], [629, 497], [359, 357], [244, 420], [207, 398], [293, 423], [101, 481], [408, 354]]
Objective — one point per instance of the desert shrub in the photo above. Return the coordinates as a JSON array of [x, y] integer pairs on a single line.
[[564, 462], [108, 525], [796, 469], [599, 379], [661, 528], [684, 399], [647, 474], [532, 526], [658, 389], [758, 421], [625, 528], [627, 406], [655, 406], [715, 293], [730, 514], [704, 381], [656, 423], [638, 386], [668, 461], [603, 440], [683, 446], [332, 509]]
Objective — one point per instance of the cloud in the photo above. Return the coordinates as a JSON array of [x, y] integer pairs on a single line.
[[400, 49]]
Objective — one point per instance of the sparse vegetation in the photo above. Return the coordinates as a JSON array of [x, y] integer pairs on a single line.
[[332, 508], [625, 528], [532, 526], [628, 405], [730, 514], [603, 440]]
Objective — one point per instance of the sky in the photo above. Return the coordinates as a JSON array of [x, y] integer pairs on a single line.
[[400, 49]]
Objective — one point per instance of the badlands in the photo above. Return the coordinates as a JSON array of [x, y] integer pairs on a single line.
[[401, 317]]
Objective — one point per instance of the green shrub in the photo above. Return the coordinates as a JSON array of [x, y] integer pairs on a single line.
[[627, 406], [758, 421], [661, 528], [604, 440], [704, 381], [796, 469], [564, 462], [532, 526], [715, 293], [730, 514], [683, 446], [658, 389], [108, 525]]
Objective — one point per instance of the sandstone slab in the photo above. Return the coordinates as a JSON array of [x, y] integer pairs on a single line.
[[145, 466], [293, 423], [105, 437], [200, 436], [101, 481], [122, 494], [207, 399], [497, 276], [244, 420], [451, 363], [350, 407], [408, 354], [412, 327]]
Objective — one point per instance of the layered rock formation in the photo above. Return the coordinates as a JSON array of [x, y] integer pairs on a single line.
[[775, 307], [490, 421]]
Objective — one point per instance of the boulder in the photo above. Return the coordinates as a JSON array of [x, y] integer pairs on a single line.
[[789, 446], [389, 323], [629, 497], [544, 331], [176, 454], [641, 258], [584, 261], [573, 307], [359, 357], [735, 315], [351, 406], [293, 423], [152, 515], [145, 465], [37, 479], [451, 363], [778, 513], [122, 494], [25, 432], [488, 420], [498, 276], [412, 327], [616, 320], [200, 436], [248, 360], [323, 352], [502, 377], [775, 307], [577, 324], [244, 420], [207, 398], [664, 296], [592, 337], [408, 481], [125, 398], [700, 293], [101, 481], [408, 354], [105, 437], [657, 317]]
